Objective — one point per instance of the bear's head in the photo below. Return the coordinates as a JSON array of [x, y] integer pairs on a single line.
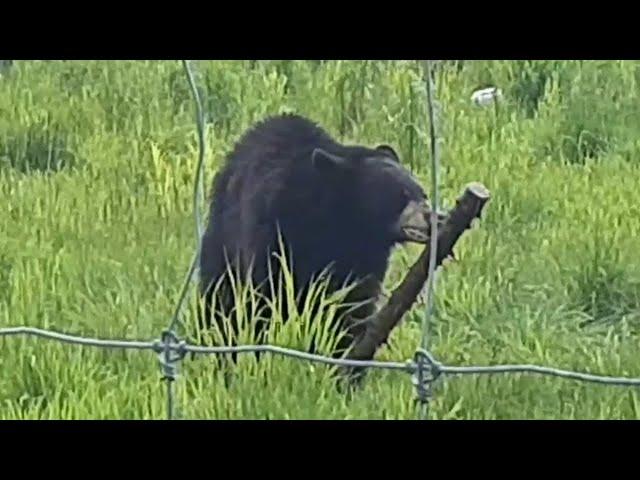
[[379, 197]]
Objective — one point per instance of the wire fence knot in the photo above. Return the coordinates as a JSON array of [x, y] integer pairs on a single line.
[[170, 350], [426, 370]]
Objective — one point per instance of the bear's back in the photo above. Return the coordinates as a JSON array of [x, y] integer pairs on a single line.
[[278, 142], [270, 159], [268, 171]]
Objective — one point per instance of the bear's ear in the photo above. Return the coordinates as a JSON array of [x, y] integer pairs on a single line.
[[327, 162], [391, 153]]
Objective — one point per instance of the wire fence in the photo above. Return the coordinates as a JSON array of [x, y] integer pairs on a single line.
[[424, 368], [423, 386]]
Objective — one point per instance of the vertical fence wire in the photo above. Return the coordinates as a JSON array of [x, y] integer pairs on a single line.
[[168, 361], [424, 384]]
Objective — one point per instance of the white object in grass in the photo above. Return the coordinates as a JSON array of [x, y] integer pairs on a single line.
[[486, 96]]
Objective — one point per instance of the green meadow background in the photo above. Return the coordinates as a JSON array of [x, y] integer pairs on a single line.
[[97, 163]]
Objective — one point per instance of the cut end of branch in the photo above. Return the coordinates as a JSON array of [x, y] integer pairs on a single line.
[[478, 190]]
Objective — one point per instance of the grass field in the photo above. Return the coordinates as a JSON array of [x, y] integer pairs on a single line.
[[97, 167]]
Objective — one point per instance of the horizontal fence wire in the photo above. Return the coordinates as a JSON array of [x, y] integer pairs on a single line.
[[410, 366]]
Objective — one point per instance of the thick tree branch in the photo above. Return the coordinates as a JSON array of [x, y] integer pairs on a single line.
[[468, 207]]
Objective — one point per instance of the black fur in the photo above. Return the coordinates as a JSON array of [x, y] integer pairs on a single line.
[[334, 205]]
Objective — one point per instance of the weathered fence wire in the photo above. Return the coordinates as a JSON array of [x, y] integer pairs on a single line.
[[424, 368], [424, 383], [168, 362], [181, 348]]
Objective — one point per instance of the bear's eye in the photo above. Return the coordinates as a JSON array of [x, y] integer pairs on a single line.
[[408, 195]]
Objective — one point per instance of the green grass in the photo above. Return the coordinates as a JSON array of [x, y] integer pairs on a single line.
[[96, 175]]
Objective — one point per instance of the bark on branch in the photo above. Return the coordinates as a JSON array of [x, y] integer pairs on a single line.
[[468, 207]]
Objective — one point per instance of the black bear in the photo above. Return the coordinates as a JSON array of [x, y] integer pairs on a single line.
[[337, 208]]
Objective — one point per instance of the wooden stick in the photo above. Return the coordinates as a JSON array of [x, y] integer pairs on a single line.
[[468, 207]]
